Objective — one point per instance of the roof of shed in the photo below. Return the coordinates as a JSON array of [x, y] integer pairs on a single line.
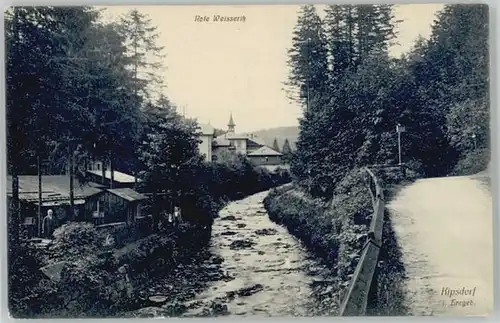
[[265, 151], [54, 187], [117, 176], [127, 194]]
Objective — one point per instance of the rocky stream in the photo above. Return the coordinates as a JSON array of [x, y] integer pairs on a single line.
[[252, 267]]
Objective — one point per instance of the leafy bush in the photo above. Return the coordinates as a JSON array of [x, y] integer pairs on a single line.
[[74, 239], [473, 162], [26, 281], [334, 230], [211, 185], [306, 218], [94, 280]]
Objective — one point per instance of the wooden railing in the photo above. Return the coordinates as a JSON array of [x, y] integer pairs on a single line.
[[356, 299]]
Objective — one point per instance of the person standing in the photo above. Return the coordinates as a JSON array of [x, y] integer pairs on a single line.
[[177, 215], [48, 225], [170, 219]]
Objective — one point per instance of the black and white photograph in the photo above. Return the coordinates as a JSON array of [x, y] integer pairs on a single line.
[[248, 161]]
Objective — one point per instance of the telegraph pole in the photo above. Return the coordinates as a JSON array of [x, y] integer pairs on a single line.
[[399, 130], [39, 211], [308, 70]]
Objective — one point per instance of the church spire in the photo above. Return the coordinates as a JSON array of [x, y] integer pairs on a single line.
[[230, 125]]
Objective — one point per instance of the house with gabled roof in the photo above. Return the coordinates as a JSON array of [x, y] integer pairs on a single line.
[[265, 156], [247, 144], [242, 143], [207, 135]]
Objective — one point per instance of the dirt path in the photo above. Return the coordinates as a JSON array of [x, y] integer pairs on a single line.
[[444, 228]]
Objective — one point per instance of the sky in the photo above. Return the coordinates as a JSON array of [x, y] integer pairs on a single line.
[[239, 67]]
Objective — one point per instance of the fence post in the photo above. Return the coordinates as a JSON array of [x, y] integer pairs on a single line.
[[363, 288]]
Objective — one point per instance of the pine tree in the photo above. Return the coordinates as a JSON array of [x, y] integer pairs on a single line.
[[451, 75], [146, 59], [339, 44], [275, 145], [384, 28], [76, 101], [460, 40], [355, 31], [349, 129], [286, 152], [44, 56], [308, 58], [146, 56], [286, 147]]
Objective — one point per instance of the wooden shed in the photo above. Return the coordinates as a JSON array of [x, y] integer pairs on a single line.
[[265, 156], [55, 196], [118, 205]]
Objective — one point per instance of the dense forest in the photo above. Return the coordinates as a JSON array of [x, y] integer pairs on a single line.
[[80, 89], [355, 93]]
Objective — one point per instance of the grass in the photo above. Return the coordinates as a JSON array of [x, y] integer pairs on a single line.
[[473, 162]]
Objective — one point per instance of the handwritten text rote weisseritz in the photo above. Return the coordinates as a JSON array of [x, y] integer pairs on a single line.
[[219, 18]]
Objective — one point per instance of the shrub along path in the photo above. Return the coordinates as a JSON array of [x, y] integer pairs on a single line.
[[444, 228]]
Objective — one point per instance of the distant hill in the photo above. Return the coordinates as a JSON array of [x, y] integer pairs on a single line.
[[280, 133]]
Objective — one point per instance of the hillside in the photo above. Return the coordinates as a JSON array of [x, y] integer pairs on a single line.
[[280, 133]]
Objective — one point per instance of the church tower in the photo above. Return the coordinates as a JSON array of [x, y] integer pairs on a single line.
[[230, 125]]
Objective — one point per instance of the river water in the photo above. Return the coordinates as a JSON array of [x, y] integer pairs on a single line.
[[259, 269]]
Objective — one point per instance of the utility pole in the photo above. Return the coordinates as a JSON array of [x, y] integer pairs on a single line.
[[111, 171], [39, 166], [308, 70], [399, 130], [71, 169]]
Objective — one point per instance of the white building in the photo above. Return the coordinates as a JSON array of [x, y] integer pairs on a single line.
[[242, 143], [207, 133], [247, 144]]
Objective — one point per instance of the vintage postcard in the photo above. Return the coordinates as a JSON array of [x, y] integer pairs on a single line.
[[278, 160]]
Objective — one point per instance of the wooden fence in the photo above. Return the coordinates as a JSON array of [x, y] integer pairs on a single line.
[[356, 299]]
